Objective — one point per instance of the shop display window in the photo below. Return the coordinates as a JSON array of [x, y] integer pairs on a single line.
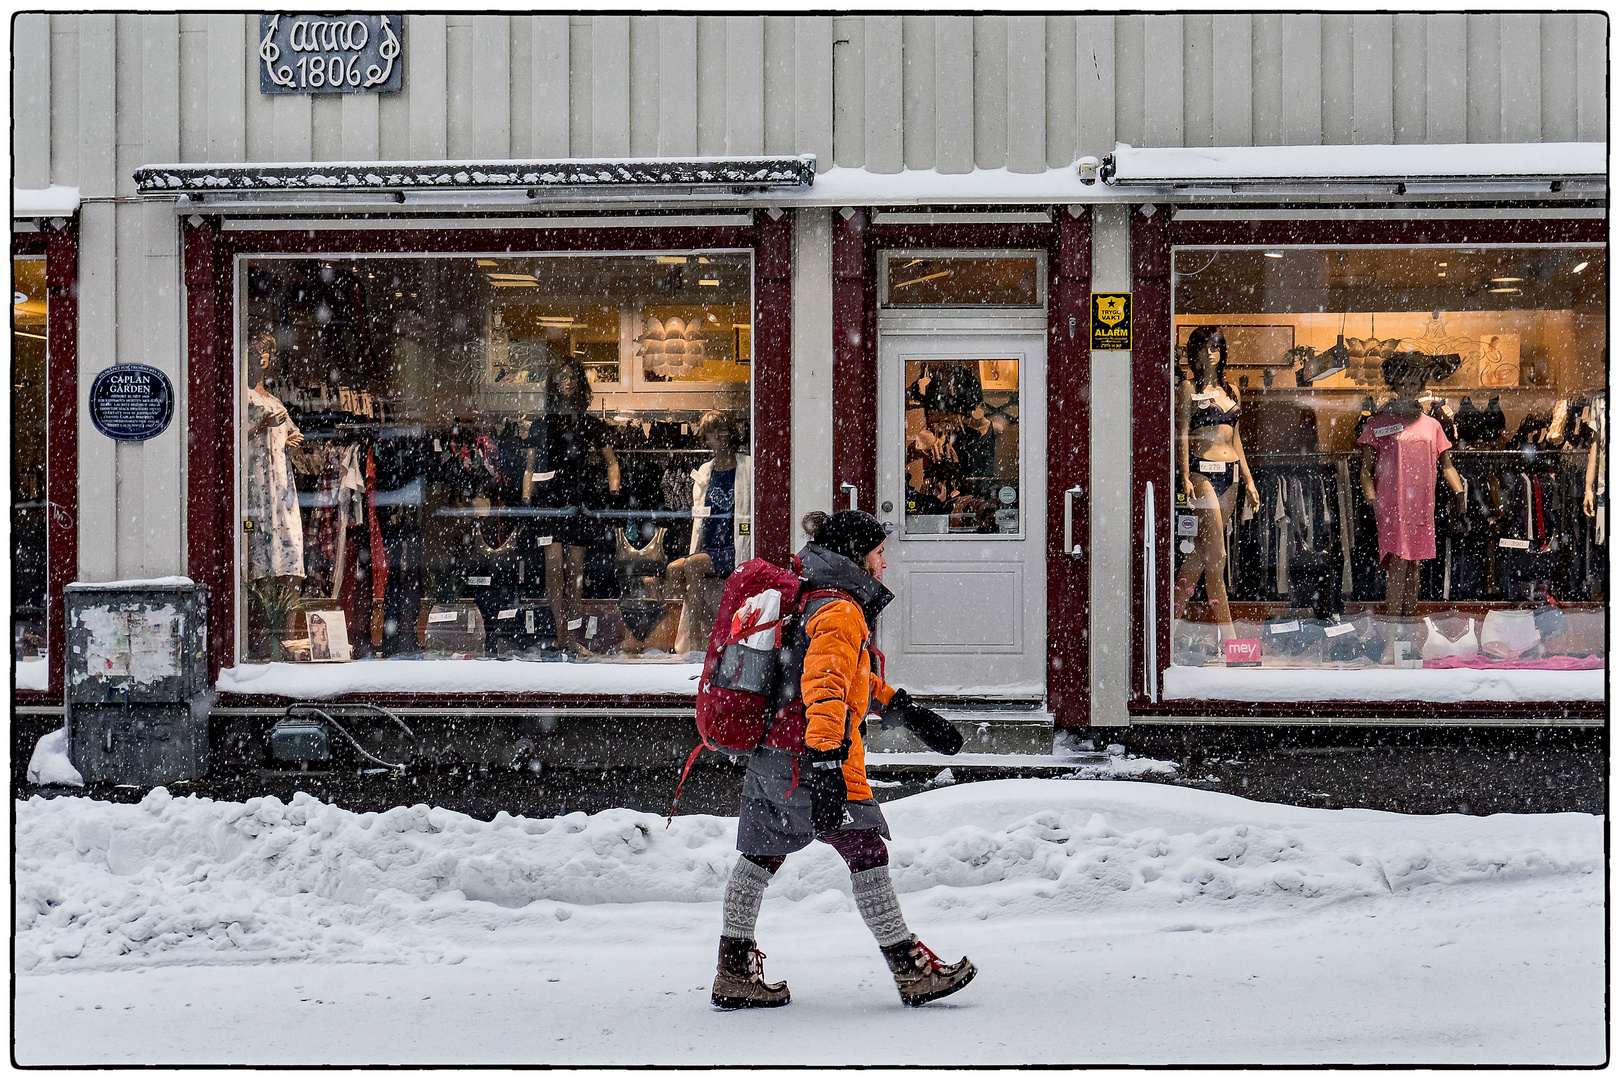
[[1389, 458], [530, 457], [28, 502]]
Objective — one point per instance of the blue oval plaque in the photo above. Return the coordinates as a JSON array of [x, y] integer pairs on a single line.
[[131, 402]]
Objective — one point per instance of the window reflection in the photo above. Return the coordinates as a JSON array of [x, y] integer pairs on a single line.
[[962, 446]]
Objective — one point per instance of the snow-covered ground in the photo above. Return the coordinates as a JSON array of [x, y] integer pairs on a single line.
[[1112, 922]]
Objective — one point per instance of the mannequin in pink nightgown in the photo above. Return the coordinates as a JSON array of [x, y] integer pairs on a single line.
[[1401, 449]]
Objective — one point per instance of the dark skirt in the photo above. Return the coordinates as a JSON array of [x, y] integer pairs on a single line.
[[775, 822]]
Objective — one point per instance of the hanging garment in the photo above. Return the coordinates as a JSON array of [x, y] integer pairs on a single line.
[[275, 546], [1437, 646]]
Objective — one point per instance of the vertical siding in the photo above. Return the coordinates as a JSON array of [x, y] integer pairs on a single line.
[[31, 100], [882, 92]]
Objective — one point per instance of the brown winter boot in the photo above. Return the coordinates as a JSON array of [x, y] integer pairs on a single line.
[[920, 976], [740, 982]]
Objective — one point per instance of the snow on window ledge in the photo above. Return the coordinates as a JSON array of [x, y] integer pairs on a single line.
[[1372, 685], [318, 681]]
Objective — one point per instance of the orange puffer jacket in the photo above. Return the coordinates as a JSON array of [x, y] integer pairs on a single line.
[[840, 687]]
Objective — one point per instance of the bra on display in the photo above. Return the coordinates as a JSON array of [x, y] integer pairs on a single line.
[[1437, 646], [1509, 634]]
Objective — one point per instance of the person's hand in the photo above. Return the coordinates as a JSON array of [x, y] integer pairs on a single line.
[[294, 437], [936, 732], [1251, 496], [1589, 504], [822, 776], [1187, 488]]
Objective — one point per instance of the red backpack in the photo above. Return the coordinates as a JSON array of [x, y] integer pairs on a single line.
[[736, 711]]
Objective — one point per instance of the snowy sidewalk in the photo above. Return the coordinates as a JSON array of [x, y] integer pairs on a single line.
[[1112, 922]]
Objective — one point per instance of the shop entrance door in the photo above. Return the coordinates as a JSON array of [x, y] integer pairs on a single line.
[[962, 478]]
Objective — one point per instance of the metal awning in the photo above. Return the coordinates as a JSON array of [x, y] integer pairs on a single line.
[[1505, 166], [409, 181]]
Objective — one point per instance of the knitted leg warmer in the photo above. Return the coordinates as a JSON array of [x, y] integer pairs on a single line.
[[744, 893], [879, 906]]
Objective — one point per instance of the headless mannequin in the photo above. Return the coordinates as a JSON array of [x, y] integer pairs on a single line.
[[697, 618], [1405, 575], [1218, 443]]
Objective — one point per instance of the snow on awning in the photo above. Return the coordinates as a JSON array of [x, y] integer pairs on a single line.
[[1225, 166], [54, 201], [532, 178]]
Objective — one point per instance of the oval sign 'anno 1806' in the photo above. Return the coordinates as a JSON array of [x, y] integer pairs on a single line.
[[131, 402]]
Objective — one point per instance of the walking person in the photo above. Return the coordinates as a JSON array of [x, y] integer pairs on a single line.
[[824, 795]]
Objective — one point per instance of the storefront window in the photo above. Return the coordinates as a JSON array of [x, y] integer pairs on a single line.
[[28, 506], [529, 457], [1390, 458], [962, 447]]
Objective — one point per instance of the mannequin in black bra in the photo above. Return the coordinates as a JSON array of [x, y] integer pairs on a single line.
[[1210, 462]]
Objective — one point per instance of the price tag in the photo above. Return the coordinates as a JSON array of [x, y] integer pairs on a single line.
[[528, 621], [1388, 429], [478, 579], [1217, 468], [1291, 627], [1339, 630], [542, 477], [509, 613], [1516, 545], [437, 449], [590, 627], [444, 616], [545, 541], [575, 624]]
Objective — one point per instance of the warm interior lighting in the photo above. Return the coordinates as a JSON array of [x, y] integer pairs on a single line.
[[1507, 290], [1502, 280], [487, 262], [679, 260], [1580, 266], [1272, 254], [708, 281]]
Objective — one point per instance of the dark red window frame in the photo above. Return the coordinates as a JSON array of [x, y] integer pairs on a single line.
[[210, 312], [1153, 237], [59, 244], [856, 243]]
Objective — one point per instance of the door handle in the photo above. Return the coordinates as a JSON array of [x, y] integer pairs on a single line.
[[1070, 548], [849, 489]]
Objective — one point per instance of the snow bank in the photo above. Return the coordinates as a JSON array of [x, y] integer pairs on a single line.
[[50, 763], [1368, 684], [33, 674], [459, 677], [58, 200], [134, 583], [191, 880]]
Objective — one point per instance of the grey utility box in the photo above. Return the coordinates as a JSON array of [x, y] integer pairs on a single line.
[[137, 681]]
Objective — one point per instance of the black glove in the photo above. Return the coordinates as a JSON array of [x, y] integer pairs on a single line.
[[822, 775], [936, 732]]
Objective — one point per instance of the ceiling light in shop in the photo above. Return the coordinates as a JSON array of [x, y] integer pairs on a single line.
[[708, 281], [510, 277], [1442, 273], [487, 262], [674, 260], [704, 259], [1445, 264], [1580, 266], [1272, 254], [1504, 280], [531, 284], [1507, 290]]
